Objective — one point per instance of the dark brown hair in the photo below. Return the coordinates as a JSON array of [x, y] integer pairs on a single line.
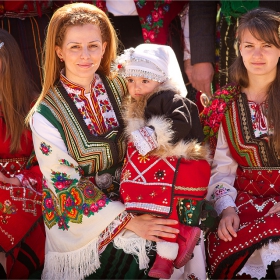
[[264, 24], [16, 89]]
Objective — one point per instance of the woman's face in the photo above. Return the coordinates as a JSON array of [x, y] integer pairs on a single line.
[[81, 51], [259, 57]]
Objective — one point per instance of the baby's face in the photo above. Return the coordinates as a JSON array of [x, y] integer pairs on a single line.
[[138, 86]]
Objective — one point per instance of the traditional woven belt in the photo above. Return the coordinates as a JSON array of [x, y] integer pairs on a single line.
[[4, 160]]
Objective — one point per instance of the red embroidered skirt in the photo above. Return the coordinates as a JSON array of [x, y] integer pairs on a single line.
[[258, 191]]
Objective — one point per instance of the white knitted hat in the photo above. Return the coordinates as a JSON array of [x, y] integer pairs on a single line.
[[153, 62]]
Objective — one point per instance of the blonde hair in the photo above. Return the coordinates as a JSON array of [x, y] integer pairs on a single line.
[[73, 15], [17, 91]]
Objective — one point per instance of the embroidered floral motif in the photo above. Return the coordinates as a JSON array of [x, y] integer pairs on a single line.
[[213, 114], [74, 201], [126, 175], [154, 21], [219, 191], [159, 175], [103, 109], [100, 90], [259, 120], [61, 181], [6, 209], [143, 159], [78, 169], [45, 149]]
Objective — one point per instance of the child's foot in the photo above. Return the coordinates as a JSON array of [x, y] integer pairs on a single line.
[[187, 239], [162, 268]]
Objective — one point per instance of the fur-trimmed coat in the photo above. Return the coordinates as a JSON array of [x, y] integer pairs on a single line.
[[175, 120]]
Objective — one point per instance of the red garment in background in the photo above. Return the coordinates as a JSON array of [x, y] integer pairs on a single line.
[[22, 235]]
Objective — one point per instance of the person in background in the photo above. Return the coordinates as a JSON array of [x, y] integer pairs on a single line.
[[78, 137], [164, 132], [26, 21], [22, 234], [242, 125], [212, 34]]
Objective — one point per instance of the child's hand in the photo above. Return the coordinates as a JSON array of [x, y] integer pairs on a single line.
[[228, 225], [274, 209], [144, 140], [7, 180]]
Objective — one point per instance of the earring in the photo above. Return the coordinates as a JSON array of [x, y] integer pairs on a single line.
[[61, 59]]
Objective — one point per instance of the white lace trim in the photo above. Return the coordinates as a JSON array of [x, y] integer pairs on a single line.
[[223, 203], [257, 264], [131, 243], [144, 140]]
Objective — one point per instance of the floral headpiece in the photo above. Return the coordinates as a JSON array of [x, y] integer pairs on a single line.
[[1, 45]]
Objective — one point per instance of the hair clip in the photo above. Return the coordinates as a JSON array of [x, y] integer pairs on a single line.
[[1, 45]]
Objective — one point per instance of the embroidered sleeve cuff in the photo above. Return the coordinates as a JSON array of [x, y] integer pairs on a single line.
[[223, 203], [144, 140], [20, 177]]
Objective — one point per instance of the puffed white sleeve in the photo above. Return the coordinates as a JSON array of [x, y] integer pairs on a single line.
[[223, 172]]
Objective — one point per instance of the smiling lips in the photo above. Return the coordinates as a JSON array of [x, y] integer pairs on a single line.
[[88, 65]]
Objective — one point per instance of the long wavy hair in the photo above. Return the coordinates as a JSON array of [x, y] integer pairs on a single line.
[[17, 91], [264, 24], [75, 14]]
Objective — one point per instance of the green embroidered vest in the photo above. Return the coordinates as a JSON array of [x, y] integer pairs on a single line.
[[93, 153]]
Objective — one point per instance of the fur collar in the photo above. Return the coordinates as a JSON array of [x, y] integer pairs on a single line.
[[134, 119]]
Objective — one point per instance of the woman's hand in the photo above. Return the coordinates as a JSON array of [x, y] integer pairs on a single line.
[[152, 228], [7, 180], [228, 225], [274, 209]]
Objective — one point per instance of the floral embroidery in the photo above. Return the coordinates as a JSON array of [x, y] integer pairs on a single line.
[[154, 21], [72, 203], [219, 191], [143, 159], [259, 121], [213, 114], [159, 175], [189, 209], [6, 209], [62, 181], [78, 169], [126, 175], [93, 116], [45, 149], [99, 90]]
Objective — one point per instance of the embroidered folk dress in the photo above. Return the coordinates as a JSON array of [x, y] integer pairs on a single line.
[[22, 236], [245, 175], [79, 142]]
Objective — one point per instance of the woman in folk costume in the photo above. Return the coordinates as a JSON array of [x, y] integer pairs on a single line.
[[79, 142], [165, 163], [242, 123], [22, 235]]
